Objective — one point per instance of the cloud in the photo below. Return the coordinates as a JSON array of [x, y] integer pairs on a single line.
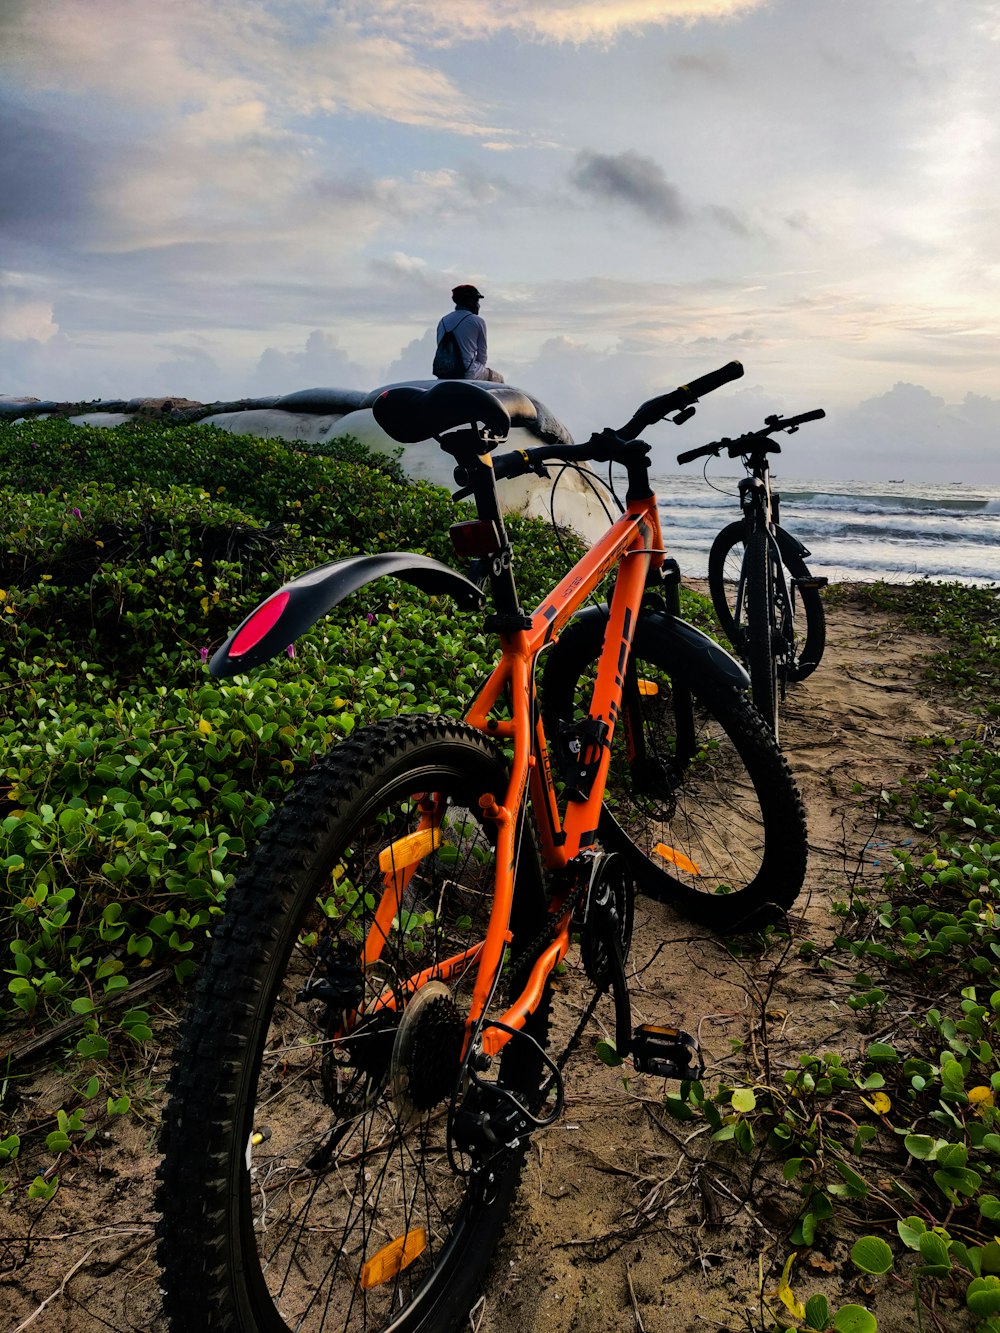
[[47, 171], [193, 372], [322, 363], [24, 316], [631, 179], [913, 433], [226, 68], [569, 21]]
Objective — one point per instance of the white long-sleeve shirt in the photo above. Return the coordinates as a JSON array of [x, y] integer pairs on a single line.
[[470, 333]]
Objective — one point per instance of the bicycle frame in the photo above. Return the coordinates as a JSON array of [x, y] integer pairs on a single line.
[[633, 544], [760, 508]]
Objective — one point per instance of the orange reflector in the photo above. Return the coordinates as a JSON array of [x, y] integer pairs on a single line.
[[409, 850], [647, 688], [393, 1258], [676, 858]]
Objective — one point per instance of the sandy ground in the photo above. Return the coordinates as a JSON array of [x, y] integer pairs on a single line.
[[619, 1224]]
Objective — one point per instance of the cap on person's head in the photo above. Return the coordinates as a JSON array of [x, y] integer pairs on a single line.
[[466, 292]]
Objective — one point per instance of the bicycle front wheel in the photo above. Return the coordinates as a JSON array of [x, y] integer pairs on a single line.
[[725, 566], [312, 1178], [699, 798], [762, 637]]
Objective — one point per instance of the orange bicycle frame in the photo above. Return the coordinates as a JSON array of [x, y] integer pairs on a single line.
[[634, 545]]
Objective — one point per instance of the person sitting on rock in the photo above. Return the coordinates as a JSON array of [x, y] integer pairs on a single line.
[[463, 357]]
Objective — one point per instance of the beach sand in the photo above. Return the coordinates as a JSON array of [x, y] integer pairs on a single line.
[[617, 1224]]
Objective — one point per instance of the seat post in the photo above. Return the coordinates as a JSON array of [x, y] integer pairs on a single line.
[[475, 474]]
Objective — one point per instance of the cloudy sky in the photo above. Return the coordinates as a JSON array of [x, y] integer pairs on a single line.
[[218, 198]]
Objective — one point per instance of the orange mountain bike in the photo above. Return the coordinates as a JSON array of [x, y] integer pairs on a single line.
[[367, 1052]]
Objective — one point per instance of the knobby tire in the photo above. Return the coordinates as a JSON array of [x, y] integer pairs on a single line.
[[300, 1142], [725, 562], [717, 828]]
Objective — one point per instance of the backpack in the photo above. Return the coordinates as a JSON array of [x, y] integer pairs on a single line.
[[448, 363]]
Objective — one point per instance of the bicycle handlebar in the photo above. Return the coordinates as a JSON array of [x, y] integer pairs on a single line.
[[793, 423], [745, 444], [678, 399]]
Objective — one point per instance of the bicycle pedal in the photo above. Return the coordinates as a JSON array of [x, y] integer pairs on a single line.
[[667, 1052], [812, 583]]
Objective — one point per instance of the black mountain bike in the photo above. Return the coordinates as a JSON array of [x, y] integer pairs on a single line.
[[767, 601]]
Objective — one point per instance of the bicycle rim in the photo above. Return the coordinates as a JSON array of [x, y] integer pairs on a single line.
[[314, 1089]]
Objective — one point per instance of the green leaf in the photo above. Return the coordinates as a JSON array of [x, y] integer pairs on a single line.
[[879, 1053], [872, 1255], [934, 1252], [92, 1047], [40, 1188], [983, 1296], [920, 1145], [744, 1100], [680, 1110], [607, 1053], [854, 1319], [818, 1312], [856, 1187], [910, 1230]]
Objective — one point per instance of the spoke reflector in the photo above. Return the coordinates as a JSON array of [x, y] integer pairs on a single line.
[[676, 858], [393, 1258], [409, 850], [647, 688]]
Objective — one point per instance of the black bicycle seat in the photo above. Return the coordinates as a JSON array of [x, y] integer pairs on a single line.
[[410, 414]]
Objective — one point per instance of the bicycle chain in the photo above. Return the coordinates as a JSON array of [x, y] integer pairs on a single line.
[[550, 930]]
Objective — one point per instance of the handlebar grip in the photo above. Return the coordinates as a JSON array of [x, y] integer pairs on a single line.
[[683, 396], [690, 455], [816, 414], [713, 380]]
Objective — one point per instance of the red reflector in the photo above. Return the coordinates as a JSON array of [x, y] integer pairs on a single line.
[[477, 537], [263, 619]]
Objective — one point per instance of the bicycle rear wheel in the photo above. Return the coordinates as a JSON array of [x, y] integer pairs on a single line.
[[312, 1178], [725, 565], [699, 798]]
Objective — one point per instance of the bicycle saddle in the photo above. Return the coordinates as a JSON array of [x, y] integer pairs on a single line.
[[410, 414]]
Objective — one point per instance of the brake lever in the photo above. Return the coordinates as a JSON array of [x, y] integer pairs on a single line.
[[685, 414]]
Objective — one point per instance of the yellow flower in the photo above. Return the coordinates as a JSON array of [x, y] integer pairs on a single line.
[[981, 1096], [205, 727]]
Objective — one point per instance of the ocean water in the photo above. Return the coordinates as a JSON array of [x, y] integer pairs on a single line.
[[855, 530]]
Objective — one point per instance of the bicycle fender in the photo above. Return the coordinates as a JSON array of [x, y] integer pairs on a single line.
[[696, 656], [281, 618], [789, 546]]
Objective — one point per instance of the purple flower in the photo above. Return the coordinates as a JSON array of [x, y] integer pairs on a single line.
[[76, 513], [204, 654], [370, 617], [290, 650]]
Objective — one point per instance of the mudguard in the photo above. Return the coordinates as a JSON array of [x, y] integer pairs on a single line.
[[789, 546], [694, 654], [294, 608]]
